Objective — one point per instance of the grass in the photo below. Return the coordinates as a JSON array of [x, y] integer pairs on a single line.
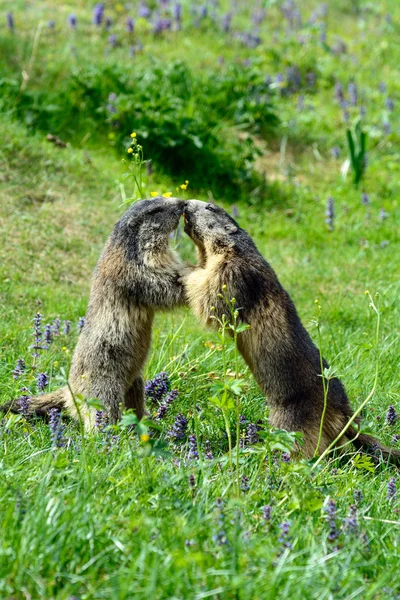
[[103, 517]]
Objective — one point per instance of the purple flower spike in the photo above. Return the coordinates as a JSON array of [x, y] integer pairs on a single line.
[[72, 21], [81, 323], [24, 402], [19, 368], [130, 25], [350, 522], [252, 434], [335, 152], [365, 199], [98, 14], [390, 104], [51, 24], [56, 428], [391, 488], [209, 454], [331, 515], [266, 512], [158, 387], [10, 21], [193, 452], [144, 11], [42, 381], [391, 416], [244, 484], [48, 334], [330, 214], [284, 537], [67, 327], [178, 430], [56, 326]]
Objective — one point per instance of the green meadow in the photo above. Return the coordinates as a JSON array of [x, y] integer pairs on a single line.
[[256, 105]]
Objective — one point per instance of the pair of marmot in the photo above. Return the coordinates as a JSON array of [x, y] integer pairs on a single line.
[[138, 273]]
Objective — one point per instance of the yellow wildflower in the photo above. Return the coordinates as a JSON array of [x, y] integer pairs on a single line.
[[130, 150], [144, 437], [154, 194], [167, 194], [133, 134], [183, 186]]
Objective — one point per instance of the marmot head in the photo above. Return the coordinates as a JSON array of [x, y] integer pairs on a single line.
[[146, 226], [209, 225]]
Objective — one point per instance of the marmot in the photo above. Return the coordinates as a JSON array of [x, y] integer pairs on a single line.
[[136, 274], [276, 347]]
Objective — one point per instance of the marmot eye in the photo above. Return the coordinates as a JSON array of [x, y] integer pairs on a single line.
[[211, 207]]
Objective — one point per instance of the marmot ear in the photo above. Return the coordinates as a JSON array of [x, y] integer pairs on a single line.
[[230, 228]]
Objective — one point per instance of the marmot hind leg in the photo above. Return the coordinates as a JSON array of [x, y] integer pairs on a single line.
[[111, 394], [134, 397]]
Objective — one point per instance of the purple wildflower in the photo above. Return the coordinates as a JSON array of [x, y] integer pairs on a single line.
[[252, 434], [244, 484], [81, 323], [56, 428], [365, 199], [42, 381], [220, 537], [335, 152], [130, 25], [178, 13], [19, 368], [339, 94], [101, 420], [383, 214], [193, 452], [353, 93], [382, 87], [72, 21], [56, 326], [350, 522], [235, 211], [178, 430], [330, 509], [391, 416], [209, 454], [162, 411], [48, 334], [24, 402], [391, 488], [390, 104], [286, 457], [144, 11], [98, 14], [330, 214], [51, 24], [284, 538], [157, 387], [67, 327], [395, 438], [108, 23], [10, 21], [358, 496], [226, 22], [266, 512]]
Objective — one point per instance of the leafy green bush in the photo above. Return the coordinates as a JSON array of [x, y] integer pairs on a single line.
[[184, 120]]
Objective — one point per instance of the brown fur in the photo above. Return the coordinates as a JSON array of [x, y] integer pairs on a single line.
[[137, 274], [276, 347]]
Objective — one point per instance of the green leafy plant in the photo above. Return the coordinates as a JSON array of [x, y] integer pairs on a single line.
[[357, 141]]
